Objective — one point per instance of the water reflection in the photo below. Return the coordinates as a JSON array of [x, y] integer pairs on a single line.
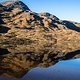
[[64, 70], [16, 60], [5, 78]]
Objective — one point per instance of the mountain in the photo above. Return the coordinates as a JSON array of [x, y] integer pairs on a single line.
[[29, 39], [15, 4], [17, 14]]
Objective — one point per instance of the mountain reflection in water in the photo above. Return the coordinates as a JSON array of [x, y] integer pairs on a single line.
[[64, 70], [24, 62]]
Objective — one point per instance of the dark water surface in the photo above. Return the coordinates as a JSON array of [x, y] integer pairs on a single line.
[[63, 70]]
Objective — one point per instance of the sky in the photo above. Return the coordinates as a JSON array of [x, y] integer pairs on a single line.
[[63, 9]]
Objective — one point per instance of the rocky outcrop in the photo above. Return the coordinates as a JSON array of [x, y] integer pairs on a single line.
[[29, 39], [9, 5]]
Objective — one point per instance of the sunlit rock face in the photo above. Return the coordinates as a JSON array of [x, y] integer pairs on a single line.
[[29, 39]]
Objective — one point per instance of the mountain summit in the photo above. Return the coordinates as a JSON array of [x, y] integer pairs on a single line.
[[15, 4]]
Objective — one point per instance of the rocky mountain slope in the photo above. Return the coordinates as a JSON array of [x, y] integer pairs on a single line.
[[29, 39]]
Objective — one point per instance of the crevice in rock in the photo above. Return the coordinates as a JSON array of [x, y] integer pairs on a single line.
[[4, 29], [1, 21], [3, 51]]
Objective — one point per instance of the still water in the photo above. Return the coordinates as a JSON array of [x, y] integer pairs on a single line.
[[63, 70]]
